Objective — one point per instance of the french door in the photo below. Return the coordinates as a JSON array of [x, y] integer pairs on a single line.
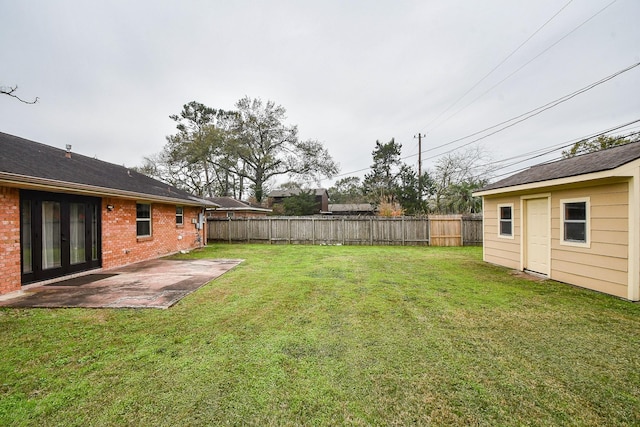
[[60, 234]]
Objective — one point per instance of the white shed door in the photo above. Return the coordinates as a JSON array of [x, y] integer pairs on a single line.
[[537, 237]]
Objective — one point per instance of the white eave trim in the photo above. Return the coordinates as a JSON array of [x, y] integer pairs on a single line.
[[34, 183]]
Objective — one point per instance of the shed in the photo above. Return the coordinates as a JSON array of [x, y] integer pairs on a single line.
[[62, 214], [575, 220]]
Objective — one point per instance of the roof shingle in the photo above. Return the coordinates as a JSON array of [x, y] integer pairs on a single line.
[[22, 157]]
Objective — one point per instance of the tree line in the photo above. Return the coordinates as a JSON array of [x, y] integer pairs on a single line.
[[395, 188]]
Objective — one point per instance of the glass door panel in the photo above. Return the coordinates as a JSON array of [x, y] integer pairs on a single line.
[[51, 237], [77, 233], [94, 232]]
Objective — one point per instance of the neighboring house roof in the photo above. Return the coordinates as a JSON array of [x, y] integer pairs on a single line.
[[231, 204], [296, 191], [351, 207], [598, 161], [30, 164]]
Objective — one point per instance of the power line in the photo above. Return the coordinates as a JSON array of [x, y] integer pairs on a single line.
[[499, 64], [534, 154], [525, 64], [556, 147], [512, 172], [531, 113], [518, 119]]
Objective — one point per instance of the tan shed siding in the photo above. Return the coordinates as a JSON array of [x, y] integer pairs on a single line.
[[602, 266], [498, 250]]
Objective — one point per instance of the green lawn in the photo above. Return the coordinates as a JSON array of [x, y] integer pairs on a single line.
[[333, 335]]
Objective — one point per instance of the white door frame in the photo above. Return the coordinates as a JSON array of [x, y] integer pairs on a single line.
[[523, 230]]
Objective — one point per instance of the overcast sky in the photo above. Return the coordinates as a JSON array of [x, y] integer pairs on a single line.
[[108, 74]]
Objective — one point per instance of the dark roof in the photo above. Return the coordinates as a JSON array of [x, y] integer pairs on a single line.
[[48, 165], [295, 191], [598, 161], [351, 207], [226, 202]]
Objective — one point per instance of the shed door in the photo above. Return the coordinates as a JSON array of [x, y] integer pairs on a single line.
[[537, 236]]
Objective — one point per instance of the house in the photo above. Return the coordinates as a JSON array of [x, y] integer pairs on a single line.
[[352, 209], [62, 213], [228, 207], [277, 197], [575, 220]]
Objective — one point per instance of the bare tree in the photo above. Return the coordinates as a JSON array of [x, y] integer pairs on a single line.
[[456, 176], [11, 91], [268, 147]]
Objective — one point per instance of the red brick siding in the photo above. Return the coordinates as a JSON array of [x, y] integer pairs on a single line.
[[120, 245], [9, 240]]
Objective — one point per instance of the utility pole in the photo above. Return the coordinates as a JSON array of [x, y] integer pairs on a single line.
[[419, 162]]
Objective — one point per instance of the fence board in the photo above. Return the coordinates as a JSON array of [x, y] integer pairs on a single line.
[[434, 231]]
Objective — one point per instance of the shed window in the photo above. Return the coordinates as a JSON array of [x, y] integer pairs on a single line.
[[143, 219], [179, 215], [575, 221], [505, 215]]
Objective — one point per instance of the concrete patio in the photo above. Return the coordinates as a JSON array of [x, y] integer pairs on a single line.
[[158, 283]]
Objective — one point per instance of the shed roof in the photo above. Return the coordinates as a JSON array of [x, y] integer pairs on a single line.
[[351, 207], [296, 191], [229, 203], [598, 161], [28, 162]]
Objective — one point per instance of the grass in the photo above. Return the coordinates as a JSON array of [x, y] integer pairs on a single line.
[[304, 335]]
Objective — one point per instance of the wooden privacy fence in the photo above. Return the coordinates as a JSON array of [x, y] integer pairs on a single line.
[[442, 230]]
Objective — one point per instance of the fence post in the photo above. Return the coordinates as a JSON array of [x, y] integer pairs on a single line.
[[343, 232], [229, 228], [289, 227], [371, 231], [461, 232], [427, 230], [270, 240], [402, 231], [313, 231]]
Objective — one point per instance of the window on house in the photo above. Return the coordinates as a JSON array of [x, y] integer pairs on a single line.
[[505, 215], [179, 215], [143, 219], [575, 216]]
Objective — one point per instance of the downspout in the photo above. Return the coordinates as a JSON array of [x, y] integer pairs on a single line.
[[203, 232]]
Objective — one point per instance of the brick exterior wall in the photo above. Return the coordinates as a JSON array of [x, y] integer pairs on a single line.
[[9, 240], [120, 246]]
